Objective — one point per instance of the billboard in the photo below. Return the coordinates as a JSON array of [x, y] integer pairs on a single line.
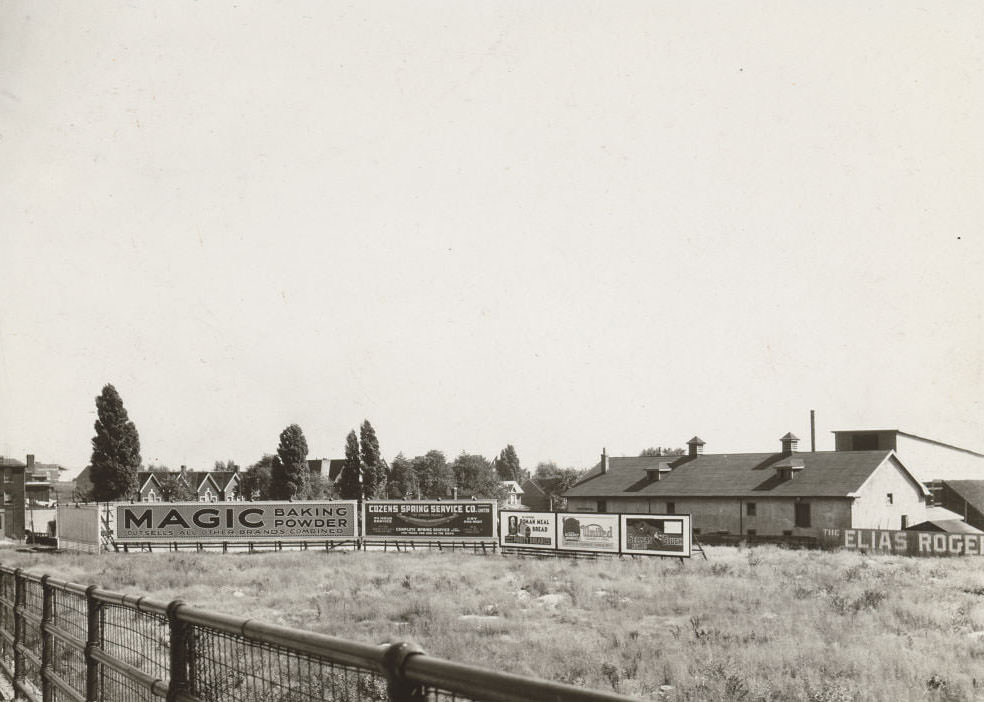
[[656, 534], [424, 520], [194, 522], [528, 529], [906, 543], [587, 531]]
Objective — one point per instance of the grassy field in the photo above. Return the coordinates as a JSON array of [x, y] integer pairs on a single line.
[[748, 624]]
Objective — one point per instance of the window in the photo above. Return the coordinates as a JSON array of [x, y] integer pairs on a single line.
[[889, 498], [864, 442], [787, 532], [802, 514], [750, 509], [696, 532], [752, 532], [151, 496], [602, 506], [671, 507]]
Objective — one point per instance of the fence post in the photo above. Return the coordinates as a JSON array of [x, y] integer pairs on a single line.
[[399, 688], [19, 601], [180, 662], [93, 640], [47, 638]]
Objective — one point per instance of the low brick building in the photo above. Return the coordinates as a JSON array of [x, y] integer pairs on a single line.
[[788, 493]]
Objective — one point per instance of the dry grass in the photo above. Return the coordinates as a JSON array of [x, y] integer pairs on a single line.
[[760, 624]]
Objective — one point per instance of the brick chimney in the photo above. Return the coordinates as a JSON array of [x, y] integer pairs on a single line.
[[789, 442], [604, 461], [30, 461], [695, 446]]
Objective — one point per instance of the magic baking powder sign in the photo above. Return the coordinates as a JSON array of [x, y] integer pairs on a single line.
[[451, 520], [235, 521]]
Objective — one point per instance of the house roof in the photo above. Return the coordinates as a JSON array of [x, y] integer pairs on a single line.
[[11, 463], [824, 474], [545, 486], [951, 526], [145, 476], [512, 486], [971, 491], [335, 466]]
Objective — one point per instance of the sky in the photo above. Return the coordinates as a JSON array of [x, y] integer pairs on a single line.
[[561, 225]]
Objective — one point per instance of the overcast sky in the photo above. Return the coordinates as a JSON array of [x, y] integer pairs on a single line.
[[562, 225]]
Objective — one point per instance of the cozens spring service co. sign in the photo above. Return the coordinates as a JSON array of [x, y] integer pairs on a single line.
[[429, 521]]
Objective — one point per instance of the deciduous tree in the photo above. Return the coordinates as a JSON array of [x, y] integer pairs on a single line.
[[289, 471], [255, 482], [402, 479], [115, 449], [174, 489], [474, 477], [434, 475]]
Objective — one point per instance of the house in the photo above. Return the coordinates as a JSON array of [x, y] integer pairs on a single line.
[[514, 495], [788, 492], [543, 494], [207, 486], [213, 485], [329, 469], [12, 511]]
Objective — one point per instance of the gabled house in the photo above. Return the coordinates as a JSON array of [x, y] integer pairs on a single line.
[[514, 495], [149, 487], [787, 493], [212, 485], [543, 494], [329, 469]]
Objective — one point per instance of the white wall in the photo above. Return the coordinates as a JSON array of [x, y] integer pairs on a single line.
[[929, 461]]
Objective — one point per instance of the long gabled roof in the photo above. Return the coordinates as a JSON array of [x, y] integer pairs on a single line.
[[971, 491], [824, 474]]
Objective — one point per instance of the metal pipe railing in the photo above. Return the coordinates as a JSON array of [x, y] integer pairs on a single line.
[[408, 671]]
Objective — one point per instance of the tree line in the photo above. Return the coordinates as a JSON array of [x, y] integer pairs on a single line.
[[286, 474]]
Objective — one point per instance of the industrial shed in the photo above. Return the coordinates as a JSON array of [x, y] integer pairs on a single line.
[[787, 493]]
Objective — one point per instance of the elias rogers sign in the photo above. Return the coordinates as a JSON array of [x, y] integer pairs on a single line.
[[235, 521], [909, 543]]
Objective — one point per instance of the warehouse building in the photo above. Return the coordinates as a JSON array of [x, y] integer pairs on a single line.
[[785, 493]]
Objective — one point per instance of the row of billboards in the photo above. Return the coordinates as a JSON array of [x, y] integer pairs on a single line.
[[453, 520], [644, 534]]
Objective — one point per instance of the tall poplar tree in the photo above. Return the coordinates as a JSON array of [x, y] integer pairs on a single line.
[[374, 473], [350, 481], [507, 464], [115, 450], [289, 472]]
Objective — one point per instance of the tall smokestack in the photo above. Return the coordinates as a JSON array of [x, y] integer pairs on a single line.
[[813, 431], [604, 461]]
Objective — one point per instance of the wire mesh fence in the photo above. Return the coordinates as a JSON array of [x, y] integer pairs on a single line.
[[64, 642]]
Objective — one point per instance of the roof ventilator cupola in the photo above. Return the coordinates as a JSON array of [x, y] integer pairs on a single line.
[[789, 443], [657, 472], [695, 446]]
